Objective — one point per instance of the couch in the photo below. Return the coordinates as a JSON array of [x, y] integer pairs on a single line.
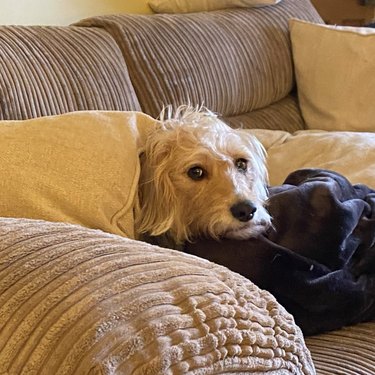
[[80, 295]]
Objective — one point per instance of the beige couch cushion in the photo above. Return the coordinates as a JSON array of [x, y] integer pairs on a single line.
[[351, 154], [78, 168], [232, 61], [79, 301], [335, 70], [52, 70], [186, 6]]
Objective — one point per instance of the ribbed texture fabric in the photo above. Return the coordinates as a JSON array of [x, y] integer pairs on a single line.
[[349, 351], [282, 115], [53, 70], [79, 301], [232, 61]]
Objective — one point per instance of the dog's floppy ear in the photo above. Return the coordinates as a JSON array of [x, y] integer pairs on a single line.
[[157, 194]]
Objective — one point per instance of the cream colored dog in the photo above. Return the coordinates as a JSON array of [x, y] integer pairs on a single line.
[[199, 177]]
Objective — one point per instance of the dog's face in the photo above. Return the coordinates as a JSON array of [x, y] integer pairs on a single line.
[[203, 178]]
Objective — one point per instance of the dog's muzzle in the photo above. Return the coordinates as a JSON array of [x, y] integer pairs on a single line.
[[243, 211]]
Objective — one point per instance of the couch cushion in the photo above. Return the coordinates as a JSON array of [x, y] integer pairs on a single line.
[[233, 61], [346, 351], [282, 115], [53, 70], [335, 75], [351, 154], [78, 167], [79, 301], [187, 6]]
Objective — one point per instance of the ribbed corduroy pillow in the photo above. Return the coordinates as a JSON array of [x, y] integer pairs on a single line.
[[79, 167], [76, 301]]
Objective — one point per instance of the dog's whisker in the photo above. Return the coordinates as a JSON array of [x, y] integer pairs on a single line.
[[142, 183]]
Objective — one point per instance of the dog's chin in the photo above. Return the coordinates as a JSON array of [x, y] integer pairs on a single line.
[[246, 231]]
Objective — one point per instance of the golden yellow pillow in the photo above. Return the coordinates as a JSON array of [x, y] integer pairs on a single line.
[[79, 168]]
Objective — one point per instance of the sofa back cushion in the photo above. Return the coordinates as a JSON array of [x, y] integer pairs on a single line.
[[282, 115], [233, 61], [53, 70]]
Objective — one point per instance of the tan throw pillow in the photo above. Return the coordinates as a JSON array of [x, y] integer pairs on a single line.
[[188, 6], [335, 72], [79, 168]]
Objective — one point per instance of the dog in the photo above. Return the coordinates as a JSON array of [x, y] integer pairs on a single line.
[[199, 177]]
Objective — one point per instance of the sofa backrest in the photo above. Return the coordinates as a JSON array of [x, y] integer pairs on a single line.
[[53, 70], [232, 61], [236, 62]]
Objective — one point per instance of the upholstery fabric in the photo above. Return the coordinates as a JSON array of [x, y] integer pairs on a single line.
[[186, 6], [348, 351], [335, 75], [79, 301], [348, 153], [209, 58], [282, 115], [79, 168], [53, 70]]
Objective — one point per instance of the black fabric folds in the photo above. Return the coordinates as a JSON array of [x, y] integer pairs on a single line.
[[319, 258]]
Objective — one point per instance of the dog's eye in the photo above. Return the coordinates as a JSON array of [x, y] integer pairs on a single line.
[[196, 173], [241, 164]]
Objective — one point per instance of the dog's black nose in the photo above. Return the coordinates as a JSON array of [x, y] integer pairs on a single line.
[[243, 211]]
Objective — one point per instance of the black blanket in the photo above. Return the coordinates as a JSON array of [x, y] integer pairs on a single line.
[[319, 260]]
